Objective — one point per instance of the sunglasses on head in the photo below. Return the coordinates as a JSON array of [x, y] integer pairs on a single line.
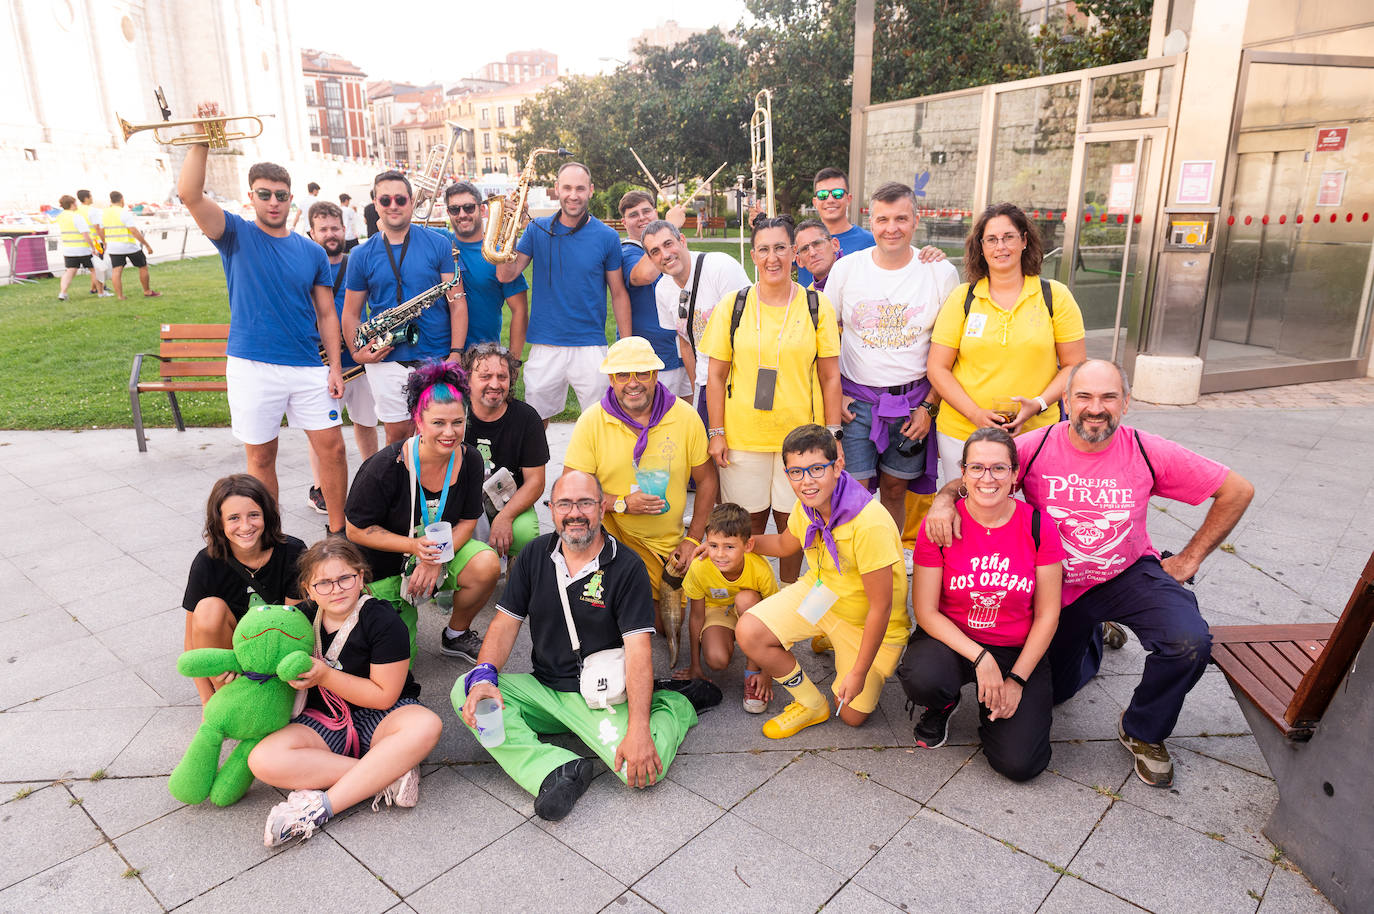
[[836, 194], [386, 200], [265, 194], [466, 209]]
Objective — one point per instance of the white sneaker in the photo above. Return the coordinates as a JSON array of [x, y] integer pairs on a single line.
[[300, 815], [910, 556], [404, 791]]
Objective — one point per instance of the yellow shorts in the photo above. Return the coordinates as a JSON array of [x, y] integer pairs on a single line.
[[648, 554], [724, 616], [779, 613]]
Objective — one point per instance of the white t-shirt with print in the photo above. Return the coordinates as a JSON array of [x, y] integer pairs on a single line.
[[721, 274]]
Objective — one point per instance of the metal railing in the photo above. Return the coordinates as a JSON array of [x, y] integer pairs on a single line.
[[170, 240]]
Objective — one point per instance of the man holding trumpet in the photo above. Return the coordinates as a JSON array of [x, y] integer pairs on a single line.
[[281, 306]]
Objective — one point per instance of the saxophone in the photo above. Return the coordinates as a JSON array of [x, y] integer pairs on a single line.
[[395, 326], [504, 217]]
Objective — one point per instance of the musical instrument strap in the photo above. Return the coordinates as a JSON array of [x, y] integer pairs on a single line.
[[396, 267]]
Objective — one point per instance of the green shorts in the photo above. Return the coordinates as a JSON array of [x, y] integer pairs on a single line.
[[389, 589]]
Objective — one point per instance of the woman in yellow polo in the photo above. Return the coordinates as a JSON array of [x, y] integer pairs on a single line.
[[1001, 349]]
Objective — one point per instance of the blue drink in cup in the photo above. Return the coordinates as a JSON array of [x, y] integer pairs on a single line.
[[652, 478]]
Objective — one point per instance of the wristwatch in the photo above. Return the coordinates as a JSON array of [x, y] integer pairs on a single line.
[[932, 408], [619, 505], [1043, 405], [835, 430]]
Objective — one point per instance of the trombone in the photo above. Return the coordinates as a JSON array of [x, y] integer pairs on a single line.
[[761, 148]]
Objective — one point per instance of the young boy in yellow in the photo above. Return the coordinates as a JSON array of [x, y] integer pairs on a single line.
[[722, 585], [854, 590]]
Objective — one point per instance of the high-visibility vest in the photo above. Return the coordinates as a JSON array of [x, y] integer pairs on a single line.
[[72, 237], [85, 210], [116, 229]]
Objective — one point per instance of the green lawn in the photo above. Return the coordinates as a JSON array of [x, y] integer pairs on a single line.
[[66, 364]]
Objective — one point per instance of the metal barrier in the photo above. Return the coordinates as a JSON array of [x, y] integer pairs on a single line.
[[34, 255]]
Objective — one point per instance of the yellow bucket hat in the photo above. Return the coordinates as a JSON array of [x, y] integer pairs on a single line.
[[633, 353]]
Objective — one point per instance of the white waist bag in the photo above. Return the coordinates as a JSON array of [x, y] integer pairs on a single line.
[[602, 680]]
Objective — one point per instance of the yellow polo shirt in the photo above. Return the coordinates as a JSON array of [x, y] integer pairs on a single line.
[[705, 581]]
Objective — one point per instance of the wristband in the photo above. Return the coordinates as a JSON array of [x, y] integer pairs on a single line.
[[979, 659], [714, 432], [455, 349], [482, 672], [1043, 405], [693, 540], [1016, 679]]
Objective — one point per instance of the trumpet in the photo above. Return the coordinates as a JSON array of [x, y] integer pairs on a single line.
[[761, 148], [429, 183], [504, 216], [213, 131]]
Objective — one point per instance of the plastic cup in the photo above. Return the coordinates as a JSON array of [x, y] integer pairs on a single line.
[[441, 534], [653, 478], [491, 726]]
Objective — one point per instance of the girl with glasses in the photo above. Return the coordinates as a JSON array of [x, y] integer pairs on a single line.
[[987, 606], [363, 731], [1005, 340]]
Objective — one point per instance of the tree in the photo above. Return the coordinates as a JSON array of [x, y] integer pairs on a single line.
[[929, 46]]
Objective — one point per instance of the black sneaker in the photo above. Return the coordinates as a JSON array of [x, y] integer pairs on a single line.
[[932, 729], [562, 788], [467, 645], [315, 498], [702, 693]]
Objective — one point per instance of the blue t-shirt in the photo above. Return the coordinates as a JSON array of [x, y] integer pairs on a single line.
[[345, 358], [271, 293], [486, 293], [427, 257], [644, 310], [851, 240], [570, 267]]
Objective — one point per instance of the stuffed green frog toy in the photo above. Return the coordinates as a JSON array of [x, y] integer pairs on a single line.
[[272, 646]]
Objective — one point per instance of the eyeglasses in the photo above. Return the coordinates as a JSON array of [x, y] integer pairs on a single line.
[[1006, 241], [583, 505], [815, 471], [999, 471], [779, 250], [324, 588], [465, 208], [623, 376], [265, 194], [837, 194], [386, 200], [815, 246]]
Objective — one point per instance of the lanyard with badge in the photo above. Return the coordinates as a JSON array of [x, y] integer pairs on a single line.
[[766, 381], [443, 495], [819, 598], [395, 265]]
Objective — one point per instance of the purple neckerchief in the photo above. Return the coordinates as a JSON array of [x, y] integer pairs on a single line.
[[663, 401], [890, 407], [819, 284], [258, 677], [848, 499]]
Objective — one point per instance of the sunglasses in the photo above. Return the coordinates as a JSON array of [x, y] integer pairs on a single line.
[[265, 194], [623, 376], [386, 200], [466, 209], [836, 194]]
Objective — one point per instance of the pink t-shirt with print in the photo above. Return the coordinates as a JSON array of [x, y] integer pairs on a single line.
[[988, 582], [1100, 500]]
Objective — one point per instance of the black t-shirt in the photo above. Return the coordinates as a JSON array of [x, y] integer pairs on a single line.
[[514, 441], [370, 217], [380, 495], [275, 582], [613, 601], [379, 637]]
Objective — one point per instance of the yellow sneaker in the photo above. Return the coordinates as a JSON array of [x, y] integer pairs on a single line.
[[820, 644], [794, 718]]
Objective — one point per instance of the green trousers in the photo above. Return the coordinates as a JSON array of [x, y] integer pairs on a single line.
[[533, 708], [389, 589]]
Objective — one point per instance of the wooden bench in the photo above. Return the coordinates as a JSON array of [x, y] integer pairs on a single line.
[[1310, 705], [190, 357]]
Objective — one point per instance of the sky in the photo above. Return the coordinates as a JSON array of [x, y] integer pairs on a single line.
[[409, 45]]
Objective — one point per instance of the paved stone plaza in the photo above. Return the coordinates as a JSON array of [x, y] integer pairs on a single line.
[[94, 551]]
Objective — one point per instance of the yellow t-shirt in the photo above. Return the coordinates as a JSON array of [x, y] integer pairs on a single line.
[[1005, 354], [867, 543], [763, 341], [604, 446], [705, 581]]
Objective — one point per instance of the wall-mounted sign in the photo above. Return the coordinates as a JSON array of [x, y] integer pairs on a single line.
[[1331, 139], [1195, 181], [1331, 189], [1121, 192]]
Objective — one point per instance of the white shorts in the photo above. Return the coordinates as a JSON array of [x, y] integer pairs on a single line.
[[357, 399], [678, 384], [260, 393], [951, 455], [550, 369], [388, 383], [756, 481]]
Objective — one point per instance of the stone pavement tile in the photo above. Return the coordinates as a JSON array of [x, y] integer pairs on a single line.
[[527, 869], [121, 689], [853, 900], [629, 903], [1241, 751], [1050, 817], [30, 531], [1127, 660], [124, 605], [92, 883], [61, 744], [155, 528], [120, 805], [171, 562], [155, 635], [1092, 763], [491, 778], [1092, 713], [934, 857], [159, 746], [41, 830], [401, 908], [834, 814], [21, 594], [628, 832], [84, 487], [1073, 896], [39, 627], [1289, 892], [188, 852], [733, 866], [1294, 561], [914, 773], [456, 743], [101, 561], [729, 729], [1218, 799], [1131, 848], [1209, 710], [457, 818], [725, 778], [160, 673], [1240, 590], [281, 883]]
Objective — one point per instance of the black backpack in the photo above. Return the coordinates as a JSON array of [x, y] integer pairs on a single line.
[[813, 307]]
